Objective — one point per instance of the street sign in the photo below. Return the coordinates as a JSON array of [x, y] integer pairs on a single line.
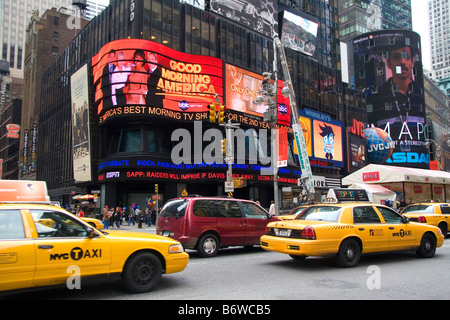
[[229, 186]]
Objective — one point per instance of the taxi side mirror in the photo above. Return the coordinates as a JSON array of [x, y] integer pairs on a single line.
[[405, 219], [91, 232]]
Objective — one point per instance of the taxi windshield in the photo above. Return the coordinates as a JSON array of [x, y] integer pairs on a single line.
[[321, 213], [419, 208]]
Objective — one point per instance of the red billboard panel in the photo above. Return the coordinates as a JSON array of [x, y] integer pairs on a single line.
[[144, 74]]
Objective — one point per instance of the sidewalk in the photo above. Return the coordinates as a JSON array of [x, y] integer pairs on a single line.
[[125, 227]]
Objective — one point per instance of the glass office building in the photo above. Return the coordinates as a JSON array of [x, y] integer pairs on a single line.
[[130, 152], [361, 16]]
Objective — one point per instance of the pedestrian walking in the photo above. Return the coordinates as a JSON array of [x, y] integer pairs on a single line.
[[148, 218], [131, 215], [106, 217], [118, 217], [112, 217], [140, 218]]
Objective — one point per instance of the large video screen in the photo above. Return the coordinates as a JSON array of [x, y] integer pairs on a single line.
[[258, 15], [299, 33], [388, 68], [134, 72], [241, 89], [323, 137]]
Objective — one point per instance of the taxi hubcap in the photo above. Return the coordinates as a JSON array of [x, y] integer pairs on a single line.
[[350, 253], [428, 245], [144, 272]]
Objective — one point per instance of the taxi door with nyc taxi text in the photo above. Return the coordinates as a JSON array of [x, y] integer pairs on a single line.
[[64, 242], [368, 225], [401, 233]]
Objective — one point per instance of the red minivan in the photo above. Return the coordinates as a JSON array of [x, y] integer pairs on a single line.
[[209, 223]]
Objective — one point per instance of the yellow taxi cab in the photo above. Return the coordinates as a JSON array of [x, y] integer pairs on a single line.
[[348, 230], [42, 245], [96, 223], [292, 214], [433, 213]]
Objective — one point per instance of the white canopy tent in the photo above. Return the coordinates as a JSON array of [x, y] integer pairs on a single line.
[[377, 173], [417, 184]]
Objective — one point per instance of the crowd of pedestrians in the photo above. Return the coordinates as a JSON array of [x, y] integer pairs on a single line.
[[115, 217]]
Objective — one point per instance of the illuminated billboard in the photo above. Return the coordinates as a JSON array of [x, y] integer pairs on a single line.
[[324, 138], [241, 89], [134, 77], [299, 33], [388, 68], [258, 15], [80, 125], [140, 76]]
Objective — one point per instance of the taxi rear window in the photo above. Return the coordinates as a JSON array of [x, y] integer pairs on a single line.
[[11, 226], [321, 213], [419, 208]]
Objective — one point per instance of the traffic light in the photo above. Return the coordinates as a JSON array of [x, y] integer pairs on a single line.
[[223, 144], [156, 188], [221, 113], [212, 112], [239, 183]]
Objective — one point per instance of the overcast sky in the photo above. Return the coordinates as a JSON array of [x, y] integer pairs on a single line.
[[421, 26]]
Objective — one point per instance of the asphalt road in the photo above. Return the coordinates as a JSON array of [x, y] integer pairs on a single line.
[[240, 274]]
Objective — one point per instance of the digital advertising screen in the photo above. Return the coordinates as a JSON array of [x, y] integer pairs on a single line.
[[299, 33], [134, 76], [258, 15], [388, 68], [241, 89], [324, 138]]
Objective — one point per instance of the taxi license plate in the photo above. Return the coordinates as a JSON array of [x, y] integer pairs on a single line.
[[166, 233], [284, 232]]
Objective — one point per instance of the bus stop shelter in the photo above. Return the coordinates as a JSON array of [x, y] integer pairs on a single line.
[[418, 185]]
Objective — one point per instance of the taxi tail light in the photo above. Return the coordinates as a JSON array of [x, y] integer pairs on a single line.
[[422, 219], [308, 233]]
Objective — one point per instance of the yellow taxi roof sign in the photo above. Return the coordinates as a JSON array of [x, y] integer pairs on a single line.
[[23, 191], [347, 195]]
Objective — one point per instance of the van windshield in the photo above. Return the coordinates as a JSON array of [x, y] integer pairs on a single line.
[[174, 208]]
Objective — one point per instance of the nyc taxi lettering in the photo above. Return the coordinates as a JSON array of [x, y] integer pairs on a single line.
[[402, 233], [76, 254]]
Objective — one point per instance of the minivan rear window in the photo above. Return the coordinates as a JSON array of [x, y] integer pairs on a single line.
[[174, 208]]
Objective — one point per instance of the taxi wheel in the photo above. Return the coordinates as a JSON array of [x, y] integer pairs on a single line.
[[427, 246], [142, 272], [349, 253], [208, 245]]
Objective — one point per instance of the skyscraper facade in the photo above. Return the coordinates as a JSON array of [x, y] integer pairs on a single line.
[[123, 142], [361, 16], [438, 11], [14, 17]]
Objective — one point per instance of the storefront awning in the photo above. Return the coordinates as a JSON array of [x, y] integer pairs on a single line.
[[376, 173]]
